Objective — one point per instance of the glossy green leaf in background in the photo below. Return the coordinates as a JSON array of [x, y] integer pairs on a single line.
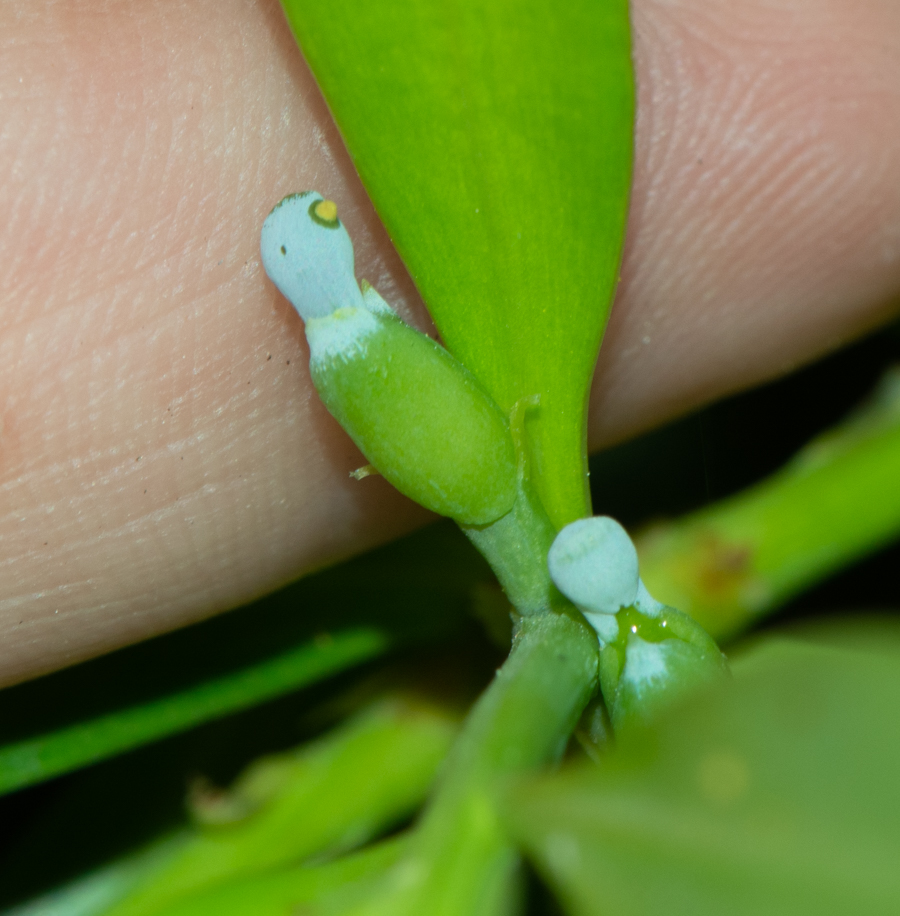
[[776, 795], [495, 139]]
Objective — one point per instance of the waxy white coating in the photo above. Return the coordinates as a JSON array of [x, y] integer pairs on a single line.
[[342, 335], [646, 662]]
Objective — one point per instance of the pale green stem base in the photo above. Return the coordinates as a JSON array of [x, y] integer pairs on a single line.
[[516, 547], [461, 862]]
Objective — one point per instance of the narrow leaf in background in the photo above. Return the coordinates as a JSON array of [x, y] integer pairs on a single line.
[[309, 631], [43, 757], [495, 140]]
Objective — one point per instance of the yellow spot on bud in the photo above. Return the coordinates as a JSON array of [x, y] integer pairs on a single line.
[[326, 210]]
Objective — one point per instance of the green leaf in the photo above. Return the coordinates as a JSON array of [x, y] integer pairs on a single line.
[[777, 794], [495, 140]]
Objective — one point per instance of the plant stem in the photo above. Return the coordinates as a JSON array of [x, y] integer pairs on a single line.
[[462, 862], [741, 558], [516, 547]]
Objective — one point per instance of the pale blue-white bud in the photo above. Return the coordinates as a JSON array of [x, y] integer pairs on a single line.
[[308, 255], [594, 564], [649, 653]]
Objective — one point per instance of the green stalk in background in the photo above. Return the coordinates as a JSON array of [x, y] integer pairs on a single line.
[[301, 889], [737, 560], [328, 797], [272, 893], [42, 757]]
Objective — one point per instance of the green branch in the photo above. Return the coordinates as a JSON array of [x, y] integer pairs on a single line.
[[738, 560]]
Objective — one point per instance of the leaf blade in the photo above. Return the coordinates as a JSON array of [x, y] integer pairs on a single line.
[[495, 141], [777, 795]]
